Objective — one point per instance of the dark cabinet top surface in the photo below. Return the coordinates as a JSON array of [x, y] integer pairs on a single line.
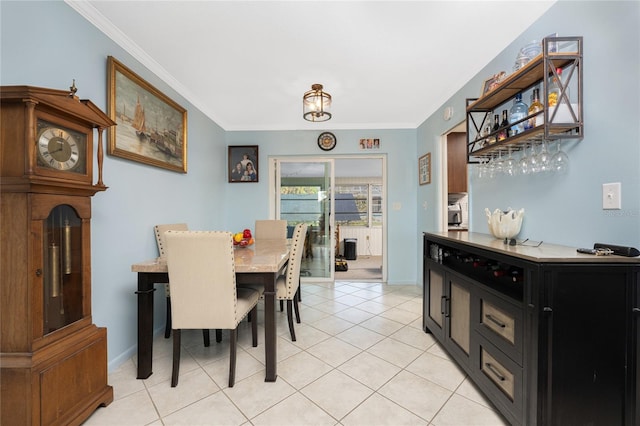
[[545, 253]]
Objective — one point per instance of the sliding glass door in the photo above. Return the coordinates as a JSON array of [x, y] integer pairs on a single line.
[[304, 194]]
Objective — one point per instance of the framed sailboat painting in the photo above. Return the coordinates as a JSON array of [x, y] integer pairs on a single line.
[[151, 128]]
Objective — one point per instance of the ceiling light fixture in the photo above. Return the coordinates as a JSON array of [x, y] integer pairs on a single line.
[[316, 104]]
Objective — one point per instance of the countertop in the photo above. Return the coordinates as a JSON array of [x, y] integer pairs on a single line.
[[546, 252]]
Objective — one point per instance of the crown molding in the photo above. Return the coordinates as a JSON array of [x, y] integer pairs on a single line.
[[98, 20]]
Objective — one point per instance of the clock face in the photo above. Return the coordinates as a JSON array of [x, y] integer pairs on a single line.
[[60, 148], [327, 141]]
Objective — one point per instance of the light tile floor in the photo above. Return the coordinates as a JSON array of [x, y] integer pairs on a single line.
[[361, 358]]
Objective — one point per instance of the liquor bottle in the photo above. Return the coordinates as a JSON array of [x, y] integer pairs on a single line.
[[554, 89], [518, 111], [535, 107], [504, 127]]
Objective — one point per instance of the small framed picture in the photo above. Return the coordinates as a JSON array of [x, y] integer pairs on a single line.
[[243, 163], [492, 82], [369, 144], [424, 169]]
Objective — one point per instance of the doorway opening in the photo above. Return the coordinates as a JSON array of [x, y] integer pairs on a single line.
[[342, 199], [455, 180]]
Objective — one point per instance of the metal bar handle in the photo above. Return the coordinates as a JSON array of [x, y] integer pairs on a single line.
[[495, 371], [145, 291], [495, 321]]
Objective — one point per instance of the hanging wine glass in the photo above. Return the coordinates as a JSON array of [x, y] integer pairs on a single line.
[[491, 168], [560, 160], [499, 170], [523, 164], [544, 159], [509, 167], [481, 169], [533, 160]]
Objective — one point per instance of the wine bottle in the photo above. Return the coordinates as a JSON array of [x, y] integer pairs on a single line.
[[518, 111], [535, 107], [504, 127], [499, 273], [478, 263], [496, 125], [516, 275], [486, 130]]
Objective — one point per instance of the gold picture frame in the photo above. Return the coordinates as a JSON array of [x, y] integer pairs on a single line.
[[424, 169], [151, 128]]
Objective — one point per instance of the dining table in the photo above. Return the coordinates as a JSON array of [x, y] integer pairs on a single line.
[[259, 263]]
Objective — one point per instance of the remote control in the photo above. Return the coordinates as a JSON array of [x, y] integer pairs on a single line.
[[586, 250]]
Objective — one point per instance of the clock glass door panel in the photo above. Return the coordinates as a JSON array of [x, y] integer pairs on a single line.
[[62, 245]]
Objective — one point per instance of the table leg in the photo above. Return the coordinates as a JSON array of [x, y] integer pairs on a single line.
[[268, 281], [145, 292], [270, 337]]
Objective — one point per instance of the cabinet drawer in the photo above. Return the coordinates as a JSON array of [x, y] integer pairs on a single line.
[[498, 321], [501, 322], [501, 379], [497, 373]]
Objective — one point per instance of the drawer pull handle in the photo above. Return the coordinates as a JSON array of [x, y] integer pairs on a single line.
[[495, 321], [495, 371]]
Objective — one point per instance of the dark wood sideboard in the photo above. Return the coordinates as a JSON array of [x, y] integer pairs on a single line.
[[549, 335]]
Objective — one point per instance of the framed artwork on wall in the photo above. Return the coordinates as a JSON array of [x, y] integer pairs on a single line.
[[151, 128], [424, 169], [369, 143], [243, 163]]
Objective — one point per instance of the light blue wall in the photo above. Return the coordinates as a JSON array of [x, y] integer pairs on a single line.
[[140, 196], [48, 44], [568, 209], [402, 182]]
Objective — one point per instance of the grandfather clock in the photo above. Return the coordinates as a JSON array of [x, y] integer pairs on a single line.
[[53, 359]]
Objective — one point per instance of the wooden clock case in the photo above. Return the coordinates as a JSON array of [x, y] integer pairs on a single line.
[[53, 360]]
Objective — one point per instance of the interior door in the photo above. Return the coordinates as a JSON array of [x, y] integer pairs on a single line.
[[304, 194]]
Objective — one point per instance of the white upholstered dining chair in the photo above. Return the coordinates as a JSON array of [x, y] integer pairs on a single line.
[[159, 230], [270, 230], [288, 284], [203, 290]]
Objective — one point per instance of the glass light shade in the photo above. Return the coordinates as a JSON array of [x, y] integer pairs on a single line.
[[316, 104]]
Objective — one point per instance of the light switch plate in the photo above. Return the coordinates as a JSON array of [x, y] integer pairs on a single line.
[[611, 196]]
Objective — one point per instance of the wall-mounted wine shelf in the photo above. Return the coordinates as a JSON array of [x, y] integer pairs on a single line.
[[565, 121]]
